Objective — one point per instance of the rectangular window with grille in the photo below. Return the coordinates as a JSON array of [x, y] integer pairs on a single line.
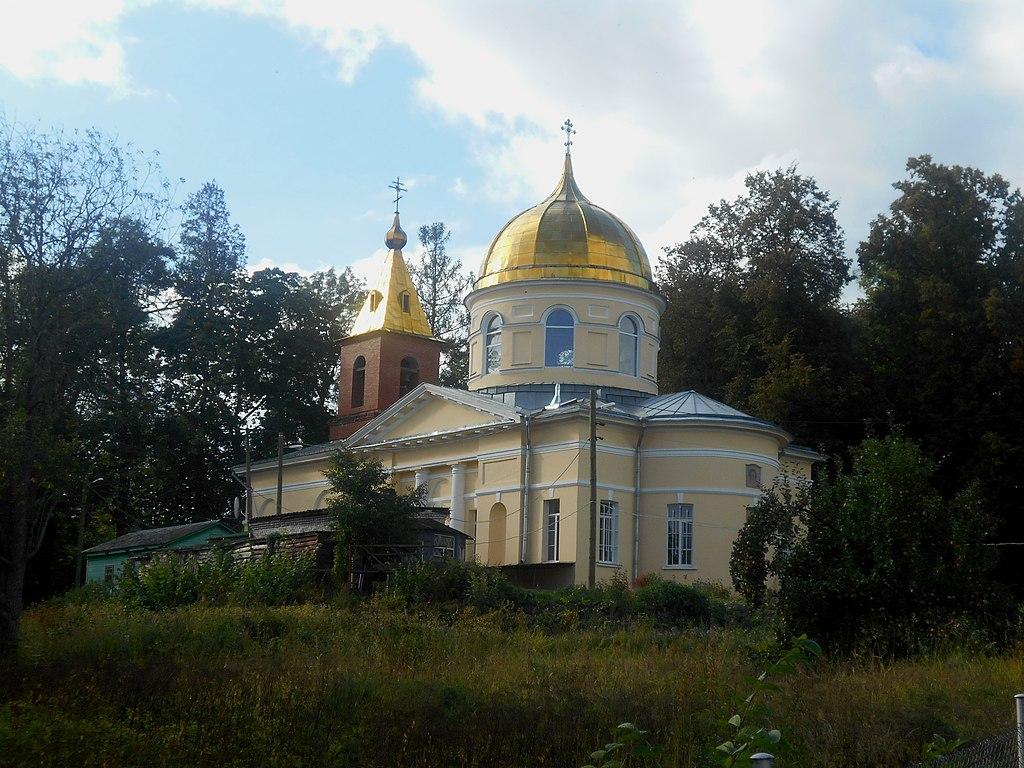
[[608, 533], [680, 535], [552, 523]]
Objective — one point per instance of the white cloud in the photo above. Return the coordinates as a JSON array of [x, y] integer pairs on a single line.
[[286, 266], [368, 269], [998, 45], [910, 70], [674, 102], [71, 41]]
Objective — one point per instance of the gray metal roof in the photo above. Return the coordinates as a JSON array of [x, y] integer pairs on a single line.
[[691, 404], [154, 537]]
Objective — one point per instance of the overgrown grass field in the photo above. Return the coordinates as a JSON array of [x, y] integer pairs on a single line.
[[369, 685]]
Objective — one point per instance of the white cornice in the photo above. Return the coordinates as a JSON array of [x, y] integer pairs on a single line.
[[475, 297]]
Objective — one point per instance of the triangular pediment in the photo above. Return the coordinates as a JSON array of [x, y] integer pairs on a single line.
[[433, 412]]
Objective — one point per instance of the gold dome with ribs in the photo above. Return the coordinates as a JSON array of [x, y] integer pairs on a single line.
[[566, 236]]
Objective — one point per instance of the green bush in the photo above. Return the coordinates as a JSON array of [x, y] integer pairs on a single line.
[[169, 582], [655, 600], [667, 602], [453, 581]]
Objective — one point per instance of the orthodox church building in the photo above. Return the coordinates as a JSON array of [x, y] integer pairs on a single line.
[[564, 305]]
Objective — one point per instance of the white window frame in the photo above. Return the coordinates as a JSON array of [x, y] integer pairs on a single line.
[[552, 530], [679, 536], [608, 533], [552, 330], [444, 546], [492, 341], [629, 339]]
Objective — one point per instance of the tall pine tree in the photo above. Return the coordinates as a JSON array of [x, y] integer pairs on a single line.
[[442, 285]]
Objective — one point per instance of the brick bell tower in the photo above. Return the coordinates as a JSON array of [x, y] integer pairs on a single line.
[[391, 348]]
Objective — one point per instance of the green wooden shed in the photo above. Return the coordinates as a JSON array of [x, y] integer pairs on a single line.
[[104, 561]]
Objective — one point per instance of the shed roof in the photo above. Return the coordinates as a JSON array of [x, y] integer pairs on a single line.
[[436, 526], [149, 538]]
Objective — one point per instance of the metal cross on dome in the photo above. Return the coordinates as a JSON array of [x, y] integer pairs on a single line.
[[399, 189], [569, 131]]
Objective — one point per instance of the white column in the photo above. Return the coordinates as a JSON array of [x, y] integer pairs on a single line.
[[422, 476], [458, 505]]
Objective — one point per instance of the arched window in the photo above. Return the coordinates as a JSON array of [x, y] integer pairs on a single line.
[[558, 339], [408, 375], [358, 381], [492, 345], [403, 299], [629, 345]]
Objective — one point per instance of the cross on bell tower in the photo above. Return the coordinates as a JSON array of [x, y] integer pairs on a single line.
[[399, 189], [569, 132]]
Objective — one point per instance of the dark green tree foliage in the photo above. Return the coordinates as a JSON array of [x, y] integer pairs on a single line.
[[291, 326], [238, 341], [58, 194], [943, 274], [876, 558], [367, 508], [203, 348], [125, 365], [754, 314], [442, 285]]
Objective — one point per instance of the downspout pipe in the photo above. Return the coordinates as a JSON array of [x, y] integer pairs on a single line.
[[637, 467], [524, 497]]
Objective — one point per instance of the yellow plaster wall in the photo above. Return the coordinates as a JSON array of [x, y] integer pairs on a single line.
[[492, 475], [437, 415], [597, 306]]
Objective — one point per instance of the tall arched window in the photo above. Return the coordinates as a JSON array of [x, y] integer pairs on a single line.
[[629, 345], [358, 381], [408, 375], [492, 345], [558, 339]]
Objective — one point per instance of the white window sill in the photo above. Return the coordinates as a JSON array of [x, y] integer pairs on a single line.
[[679, 568], [609, 564]]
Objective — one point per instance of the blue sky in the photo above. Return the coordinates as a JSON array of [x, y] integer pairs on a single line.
[[304, 111]]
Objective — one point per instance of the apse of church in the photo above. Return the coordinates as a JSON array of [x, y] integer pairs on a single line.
[[565, 304]]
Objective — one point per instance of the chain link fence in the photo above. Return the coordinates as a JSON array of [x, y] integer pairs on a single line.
[[997, 752]]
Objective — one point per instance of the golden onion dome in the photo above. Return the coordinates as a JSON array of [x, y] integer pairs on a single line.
[[566, 236]]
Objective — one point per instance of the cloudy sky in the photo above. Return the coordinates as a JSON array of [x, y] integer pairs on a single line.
[[304, 111]]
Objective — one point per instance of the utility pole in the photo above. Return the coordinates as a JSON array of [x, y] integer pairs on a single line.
[[592, 564], [81, 532], [280, 469], [248, 478]]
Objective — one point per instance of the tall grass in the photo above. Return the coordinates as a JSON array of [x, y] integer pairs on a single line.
[[366, 685]]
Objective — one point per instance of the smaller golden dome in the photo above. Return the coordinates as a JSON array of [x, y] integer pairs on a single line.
[[566, 236], [396, 238]]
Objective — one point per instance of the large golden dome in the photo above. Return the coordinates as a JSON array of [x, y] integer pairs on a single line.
[[566, 236]]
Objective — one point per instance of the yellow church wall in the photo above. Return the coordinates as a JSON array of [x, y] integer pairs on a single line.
[[498, 522], [717, 519], [438, 416], [709, 471], [683, 436]]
